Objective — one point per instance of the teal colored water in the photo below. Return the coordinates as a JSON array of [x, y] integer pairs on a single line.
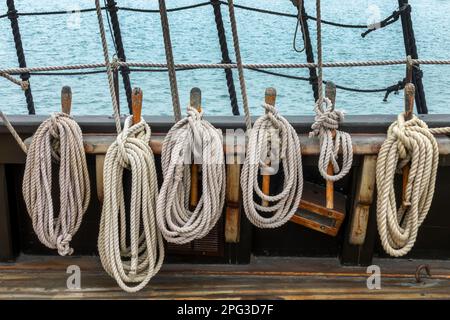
[[69, 39]]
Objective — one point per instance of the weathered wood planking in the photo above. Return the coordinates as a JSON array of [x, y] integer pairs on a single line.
[[264, 278], [363, 200], [363, 144], [233, 203]]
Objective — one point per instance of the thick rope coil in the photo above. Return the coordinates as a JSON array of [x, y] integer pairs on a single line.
[[191, 136], [140, 259], [325, 122], [263, 141], [406, 141], [58, 139]]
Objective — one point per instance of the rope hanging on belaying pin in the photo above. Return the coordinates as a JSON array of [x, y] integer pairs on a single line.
[[130, 251], [408, 143], [326, 123], [272, 137], [141, 259], [57, 140], [191, 136]]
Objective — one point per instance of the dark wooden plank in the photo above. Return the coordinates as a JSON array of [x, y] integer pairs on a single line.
[[264, 278]]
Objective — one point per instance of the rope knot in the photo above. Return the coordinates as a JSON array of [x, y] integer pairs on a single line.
[[54, 131], [326, 119], [194, 114], [130, 133], [63, 245], [272, 114]]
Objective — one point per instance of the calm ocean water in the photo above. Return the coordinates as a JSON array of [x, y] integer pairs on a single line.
[[68, 39]]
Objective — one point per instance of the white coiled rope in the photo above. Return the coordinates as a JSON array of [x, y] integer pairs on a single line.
[[192, 134], [326, 122], [259, 145], [406, 141], [141, 259], [58, 139]]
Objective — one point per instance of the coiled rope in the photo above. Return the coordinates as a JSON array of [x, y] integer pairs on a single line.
[[191, 135], [259, 145], [407, 141], [262, 141], [326, 123], [141, 259], [58, 139]]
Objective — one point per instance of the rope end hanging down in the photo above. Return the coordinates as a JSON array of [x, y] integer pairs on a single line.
[[182, 216], [140, 259]]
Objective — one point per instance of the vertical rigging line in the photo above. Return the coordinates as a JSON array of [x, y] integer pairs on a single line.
[[319, 53], [240, 67], [170, 61], [109, 72]]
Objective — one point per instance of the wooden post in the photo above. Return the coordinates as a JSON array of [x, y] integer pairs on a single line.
[[136, 105], [195, 102], [270, 97], [66, 99], [330, 93], [233, 197], [363, 200], [409, 110]]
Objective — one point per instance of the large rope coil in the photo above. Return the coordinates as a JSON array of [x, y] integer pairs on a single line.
[[326, 123], [57, 140], [407, 141], [272, 134], [191, 136], [140, 259]]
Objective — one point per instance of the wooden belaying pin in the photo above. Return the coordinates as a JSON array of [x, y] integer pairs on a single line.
[[66, 100], [195, 102], [136, 104], [270, 98], [410, 91], [330, 93]]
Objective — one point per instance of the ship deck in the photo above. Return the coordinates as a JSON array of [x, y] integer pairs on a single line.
[[43, 277]]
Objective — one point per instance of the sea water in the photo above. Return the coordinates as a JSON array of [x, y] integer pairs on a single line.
[[74, 39]]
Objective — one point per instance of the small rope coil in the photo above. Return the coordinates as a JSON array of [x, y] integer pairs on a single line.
[[272, 134], [325, 121], [191, 136], [407, 141], [140, 259], [58, 139]]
